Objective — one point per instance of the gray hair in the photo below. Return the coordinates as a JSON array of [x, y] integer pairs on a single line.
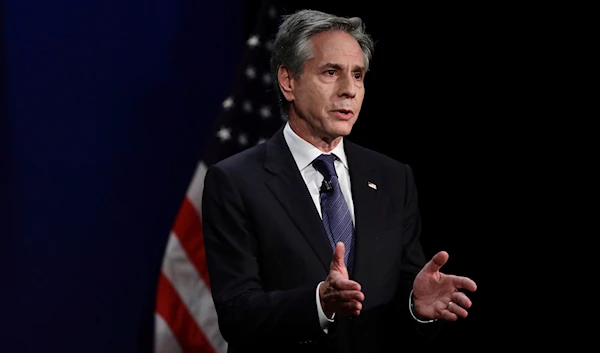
[[292, 47]]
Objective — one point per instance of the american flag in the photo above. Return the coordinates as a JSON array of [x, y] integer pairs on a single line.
[[185, 316]]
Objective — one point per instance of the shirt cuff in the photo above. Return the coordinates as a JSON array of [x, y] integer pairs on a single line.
[[411, 308], [323, 319]]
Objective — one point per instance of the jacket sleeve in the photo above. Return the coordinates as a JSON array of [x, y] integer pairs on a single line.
[[413, 259]]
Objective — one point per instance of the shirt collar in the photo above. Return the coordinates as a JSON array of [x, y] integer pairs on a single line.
[[304, 153]]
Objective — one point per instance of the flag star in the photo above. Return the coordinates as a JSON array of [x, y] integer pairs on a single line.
[[247, 106], [261, 140], [267, 78], [251, 72], [228, 103], [265, 112], [224, 134], [243, 139], [253, 41]]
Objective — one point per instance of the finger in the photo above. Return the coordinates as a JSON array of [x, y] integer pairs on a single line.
[[465, 283], [337, 261], [351, 308], [448, 315], [461, 299], [350, 295], [457, 310], [444, 313], [437, 261], [345, 284], [344, 295]]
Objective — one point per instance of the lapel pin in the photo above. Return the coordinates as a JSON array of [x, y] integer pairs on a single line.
[[372, 186]]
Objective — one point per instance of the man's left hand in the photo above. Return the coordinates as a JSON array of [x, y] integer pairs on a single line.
[[437, 295]]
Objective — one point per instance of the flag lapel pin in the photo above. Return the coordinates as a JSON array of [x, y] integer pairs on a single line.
[[372, 185]]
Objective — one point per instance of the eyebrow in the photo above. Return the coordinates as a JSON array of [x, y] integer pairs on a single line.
[[339, 67]]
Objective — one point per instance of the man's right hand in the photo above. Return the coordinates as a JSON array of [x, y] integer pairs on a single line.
[[338, 293]]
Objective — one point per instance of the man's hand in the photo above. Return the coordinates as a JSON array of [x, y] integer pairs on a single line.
[[338, 293], [436, 295]]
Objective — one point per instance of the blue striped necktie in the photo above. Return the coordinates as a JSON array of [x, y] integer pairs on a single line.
[[336, 215]]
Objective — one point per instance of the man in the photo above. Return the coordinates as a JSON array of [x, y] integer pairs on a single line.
[[312, 242]]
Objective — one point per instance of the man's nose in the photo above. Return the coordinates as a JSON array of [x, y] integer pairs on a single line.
[[346, 86]]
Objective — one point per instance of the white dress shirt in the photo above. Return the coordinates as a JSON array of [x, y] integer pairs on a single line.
[[304, 154]]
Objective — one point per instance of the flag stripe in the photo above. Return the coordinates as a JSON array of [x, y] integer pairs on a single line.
[[181, 322], [188, 229], [194, 192], [167, 342], [192, 291]]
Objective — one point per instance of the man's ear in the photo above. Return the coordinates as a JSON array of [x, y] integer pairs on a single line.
[[286, 83]]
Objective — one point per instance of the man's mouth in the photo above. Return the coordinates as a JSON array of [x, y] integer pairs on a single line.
[[343, 113]]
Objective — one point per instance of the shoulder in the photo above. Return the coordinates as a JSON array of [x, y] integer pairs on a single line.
[[244, 160], [375, 158]]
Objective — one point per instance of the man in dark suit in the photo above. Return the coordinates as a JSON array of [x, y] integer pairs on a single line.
[[312, 242]]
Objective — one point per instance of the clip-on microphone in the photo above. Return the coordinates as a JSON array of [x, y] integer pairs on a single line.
[[326, 186]]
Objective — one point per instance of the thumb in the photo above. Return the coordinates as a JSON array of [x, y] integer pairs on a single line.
[[337, 261], [437, 261]]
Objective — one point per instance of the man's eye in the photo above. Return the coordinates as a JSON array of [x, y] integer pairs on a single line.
[[331, 72]]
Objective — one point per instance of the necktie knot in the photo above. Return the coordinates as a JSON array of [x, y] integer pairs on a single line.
[[324, 164]]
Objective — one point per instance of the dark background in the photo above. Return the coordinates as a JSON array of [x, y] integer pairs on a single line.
[[105, 108]]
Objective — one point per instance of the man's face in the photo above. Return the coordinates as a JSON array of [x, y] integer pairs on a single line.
[[329, 94]]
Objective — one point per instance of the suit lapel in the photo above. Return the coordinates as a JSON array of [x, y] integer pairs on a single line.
[[289, 188], [365, 212]]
